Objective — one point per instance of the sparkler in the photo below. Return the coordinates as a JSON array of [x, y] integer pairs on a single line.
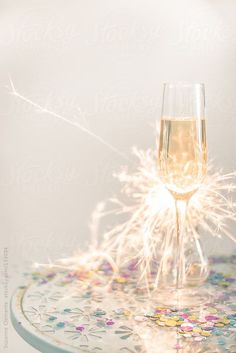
[[76, 124], [143, 236]]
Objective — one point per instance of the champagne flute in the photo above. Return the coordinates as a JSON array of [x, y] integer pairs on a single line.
[[182, 155]]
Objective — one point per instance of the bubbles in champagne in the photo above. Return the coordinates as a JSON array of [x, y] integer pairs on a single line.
[[182, 155]]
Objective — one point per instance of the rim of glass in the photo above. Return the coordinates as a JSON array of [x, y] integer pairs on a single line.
[[183, 84]]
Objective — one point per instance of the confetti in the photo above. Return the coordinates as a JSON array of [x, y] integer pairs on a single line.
[[171, 323], [216, 319], [60, 324], [80, 328], [52, 318]]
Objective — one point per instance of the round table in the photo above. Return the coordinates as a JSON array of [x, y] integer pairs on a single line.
[[61, 311]]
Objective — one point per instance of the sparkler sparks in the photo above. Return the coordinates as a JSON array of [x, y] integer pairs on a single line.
[[76, 124], [144, 236]]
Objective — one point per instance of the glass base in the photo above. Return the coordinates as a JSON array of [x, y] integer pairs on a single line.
[[181, 298]]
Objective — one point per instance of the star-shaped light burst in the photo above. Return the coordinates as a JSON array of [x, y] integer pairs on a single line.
[[145, 212]]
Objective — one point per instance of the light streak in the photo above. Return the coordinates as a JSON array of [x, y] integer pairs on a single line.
[[145, 212], [145, 227], [82, 128]]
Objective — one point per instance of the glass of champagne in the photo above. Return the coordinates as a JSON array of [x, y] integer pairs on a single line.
[[182, 158]]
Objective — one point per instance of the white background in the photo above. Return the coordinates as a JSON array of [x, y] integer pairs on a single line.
[[100, 64]]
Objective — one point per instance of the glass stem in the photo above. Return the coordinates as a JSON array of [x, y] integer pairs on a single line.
[[181, 207]]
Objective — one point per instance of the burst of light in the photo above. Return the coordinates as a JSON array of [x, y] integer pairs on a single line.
[[145, 212], [150, 214]]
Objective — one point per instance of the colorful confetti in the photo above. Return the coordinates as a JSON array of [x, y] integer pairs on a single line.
[[115, 305]]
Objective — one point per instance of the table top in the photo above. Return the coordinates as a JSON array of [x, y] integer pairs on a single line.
[[62, 311]]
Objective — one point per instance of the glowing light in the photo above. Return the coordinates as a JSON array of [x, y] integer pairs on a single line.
[[146, 218], [149, 214]]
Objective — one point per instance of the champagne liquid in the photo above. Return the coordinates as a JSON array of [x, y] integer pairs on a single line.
[[182, 155]]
